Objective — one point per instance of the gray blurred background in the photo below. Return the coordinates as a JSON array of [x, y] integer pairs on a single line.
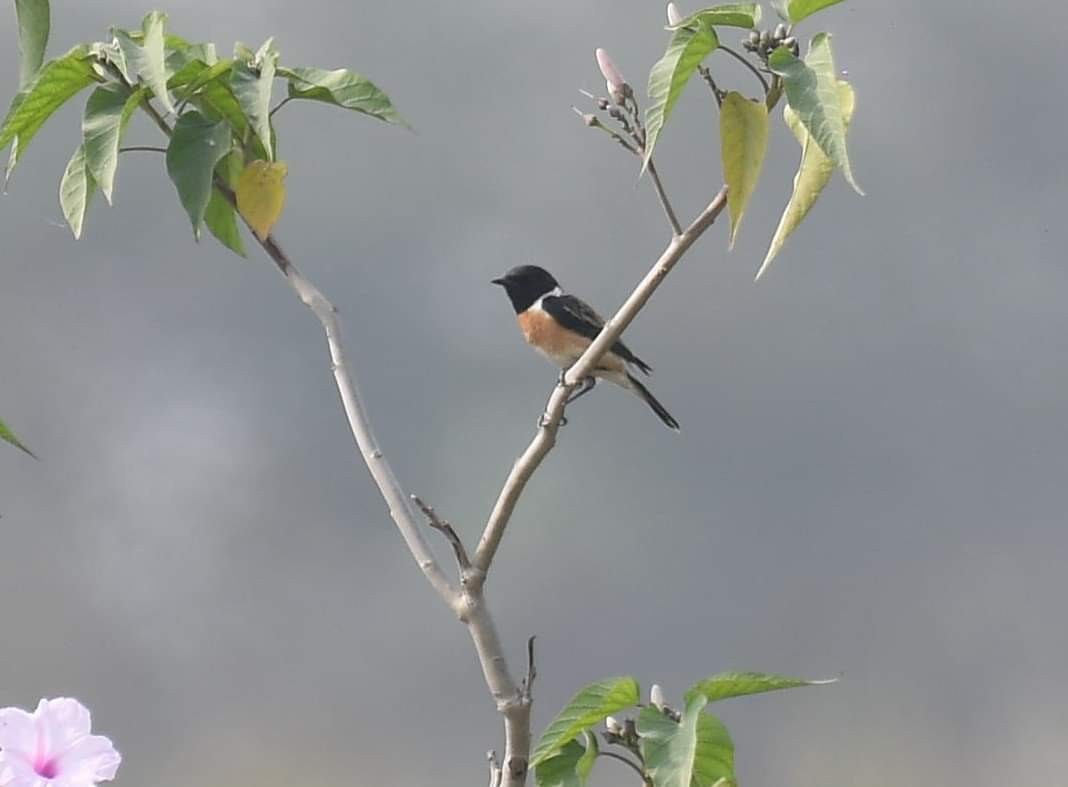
[[869, 481]]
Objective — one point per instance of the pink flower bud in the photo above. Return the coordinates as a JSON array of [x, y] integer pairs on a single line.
[[674, 15], [613, 79]]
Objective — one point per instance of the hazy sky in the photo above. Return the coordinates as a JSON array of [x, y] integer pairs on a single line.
[[869, 482]]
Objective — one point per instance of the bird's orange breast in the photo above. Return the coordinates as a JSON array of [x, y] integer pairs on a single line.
[[546, 334]]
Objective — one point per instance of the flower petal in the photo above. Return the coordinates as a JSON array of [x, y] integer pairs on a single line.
[[17, 771], [90, 759], [64, 721], [18, 731]]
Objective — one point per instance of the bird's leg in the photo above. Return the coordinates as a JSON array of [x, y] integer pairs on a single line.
[[584, 388]]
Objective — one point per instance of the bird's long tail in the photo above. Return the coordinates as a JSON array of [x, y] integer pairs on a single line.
[[662, 413]]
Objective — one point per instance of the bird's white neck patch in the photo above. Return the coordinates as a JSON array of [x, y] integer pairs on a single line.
[[555, 292]]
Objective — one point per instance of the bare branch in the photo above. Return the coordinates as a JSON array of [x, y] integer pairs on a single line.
[[468, 603], [545, 438], [443, 527]]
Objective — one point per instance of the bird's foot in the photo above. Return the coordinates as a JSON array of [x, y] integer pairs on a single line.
[[584, 388]]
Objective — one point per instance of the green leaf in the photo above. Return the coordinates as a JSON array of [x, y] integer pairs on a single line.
[[57, 82], [813, 174], [688, 47], [571, 767], [669, 747], [196, 146], [76, 189], [587, 708], [586, 762], [342, 88], [34, 23], [251, 86], [147, 58], [107, 113], [195, 74], [743, 132], [796, 10], [9, 437], [713, 761], [220, 216], [737, 684], [811, 90], [696, 751], [179, 56], [745, 15]]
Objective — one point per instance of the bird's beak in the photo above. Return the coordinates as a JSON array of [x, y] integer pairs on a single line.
[[500, 281]]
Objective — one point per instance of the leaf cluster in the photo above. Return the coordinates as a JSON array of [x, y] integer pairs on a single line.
[[216, 113], [818, 108], [687, 748]]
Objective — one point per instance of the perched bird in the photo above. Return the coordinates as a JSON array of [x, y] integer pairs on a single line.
[[561, 327]]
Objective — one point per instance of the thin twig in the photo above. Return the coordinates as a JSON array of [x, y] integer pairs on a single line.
[[494, 769], [706, 74], [446, 530], [279, 105], [626, 761], [142, 148], [545, 438], [532, 671], [744, 61], [592, 121], [673, 220]]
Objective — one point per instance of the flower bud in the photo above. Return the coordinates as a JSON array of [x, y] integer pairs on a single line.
[[613, 79], [613, 726], [673, 14], [656, 696], [754, 37], [780, 31], [765, 39]]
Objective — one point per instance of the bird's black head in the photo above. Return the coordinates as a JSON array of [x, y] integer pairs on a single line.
[[525, 284]]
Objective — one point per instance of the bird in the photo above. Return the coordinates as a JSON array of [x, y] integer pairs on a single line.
[[562, 326]]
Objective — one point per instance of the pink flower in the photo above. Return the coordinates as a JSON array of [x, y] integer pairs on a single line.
[[613, 80], [52, 747]]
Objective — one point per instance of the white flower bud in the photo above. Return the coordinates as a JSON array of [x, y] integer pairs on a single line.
[[613, 79], [613, 725], [656, 696], [674, 15]]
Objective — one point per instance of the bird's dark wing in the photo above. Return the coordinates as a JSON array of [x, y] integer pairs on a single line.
[[578, 316]]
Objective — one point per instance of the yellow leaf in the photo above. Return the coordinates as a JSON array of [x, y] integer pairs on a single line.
[[743, 133], [813, 174], [261, 195]]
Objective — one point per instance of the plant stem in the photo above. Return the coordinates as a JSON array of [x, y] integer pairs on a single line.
[[630, 763], [673, 220], [745, 61], [279, 105]]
